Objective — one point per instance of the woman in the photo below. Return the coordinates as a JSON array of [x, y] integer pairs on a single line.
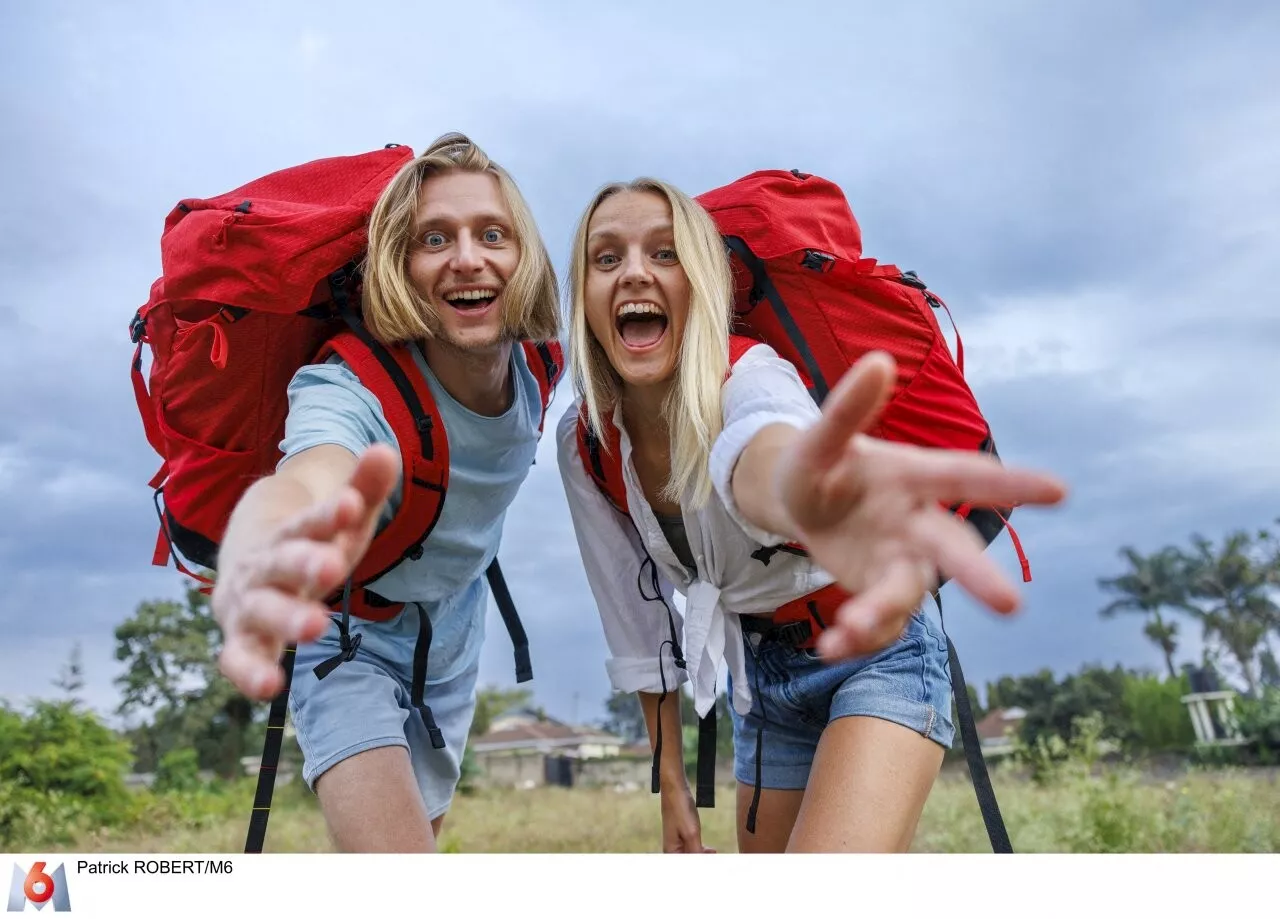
[[836, 752]]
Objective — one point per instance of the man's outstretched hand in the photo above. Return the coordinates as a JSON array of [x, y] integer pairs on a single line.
[[269, 593]]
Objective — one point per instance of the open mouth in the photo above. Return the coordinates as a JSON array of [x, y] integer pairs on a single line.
[[474, 299], [640, 324]]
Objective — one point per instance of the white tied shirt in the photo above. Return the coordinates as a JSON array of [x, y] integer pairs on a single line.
[[763, 389]]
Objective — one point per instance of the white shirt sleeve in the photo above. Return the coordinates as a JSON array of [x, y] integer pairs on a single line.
[[637, 631], [763, 389]]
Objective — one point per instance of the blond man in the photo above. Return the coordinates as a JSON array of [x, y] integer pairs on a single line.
[[456, 270]]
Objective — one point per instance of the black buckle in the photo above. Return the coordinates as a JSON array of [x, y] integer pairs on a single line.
[[137, 327], [793, 633]]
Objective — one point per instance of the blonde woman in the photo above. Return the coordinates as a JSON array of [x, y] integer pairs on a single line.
[[455, 269], [835, 749]]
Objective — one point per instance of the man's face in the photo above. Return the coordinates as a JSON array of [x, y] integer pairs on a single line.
[[463, 253]]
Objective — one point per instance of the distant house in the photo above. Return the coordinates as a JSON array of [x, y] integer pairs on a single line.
[[997, 730], [524, 749], [525, 732]]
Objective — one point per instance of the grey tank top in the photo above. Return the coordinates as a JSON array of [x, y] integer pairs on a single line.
[[673, 528]]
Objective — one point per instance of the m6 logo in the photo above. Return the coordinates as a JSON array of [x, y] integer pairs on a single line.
[[38, 888]]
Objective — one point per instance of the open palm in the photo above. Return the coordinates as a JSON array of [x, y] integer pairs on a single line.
[[871, 513]]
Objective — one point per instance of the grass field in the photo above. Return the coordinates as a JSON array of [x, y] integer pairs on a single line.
[[1115, 811]]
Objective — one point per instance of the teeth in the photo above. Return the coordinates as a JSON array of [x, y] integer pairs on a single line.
[[639, 309], [472, 295]]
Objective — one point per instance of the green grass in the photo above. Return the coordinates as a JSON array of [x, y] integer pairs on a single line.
[[1112, 810]]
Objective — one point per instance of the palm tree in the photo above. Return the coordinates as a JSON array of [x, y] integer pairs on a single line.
[[1152, 583], [1229, 589]]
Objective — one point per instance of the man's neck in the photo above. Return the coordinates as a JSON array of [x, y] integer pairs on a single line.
[[477, 380]]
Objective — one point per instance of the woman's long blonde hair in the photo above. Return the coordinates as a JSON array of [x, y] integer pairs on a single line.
[[394, 310], [693, 409]]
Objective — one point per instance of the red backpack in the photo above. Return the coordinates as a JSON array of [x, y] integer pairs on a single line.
[[256, 283], [802, 286]]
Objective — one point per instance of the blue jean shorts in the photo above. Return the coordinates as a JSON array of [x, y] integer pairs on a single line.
[[365, 703], [907, 683]]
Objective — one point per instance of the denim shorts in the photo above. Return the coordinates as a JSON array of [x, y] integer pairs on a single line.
[[364, 703], [907, 683]]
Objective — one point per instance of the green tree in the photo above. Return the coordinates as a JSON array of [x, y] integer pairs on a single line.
[[171, 680], [1229, 589], [71, 679], [1153, 583], [625, 717], [492, 701]]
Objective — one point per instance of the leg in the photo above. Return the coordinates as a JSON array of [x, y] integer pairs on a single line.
[[881, 750], [786, 738], [869, 784], [354, 731], [775, 817], [371, 803]]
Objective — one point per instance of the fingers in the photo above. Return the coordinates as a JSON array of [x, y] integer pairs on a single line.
[[849, 408], [959, 476], [278, 617], [957, 550], [875, 618], [356, 504], [252, 666], [301, 566], [266, 620]]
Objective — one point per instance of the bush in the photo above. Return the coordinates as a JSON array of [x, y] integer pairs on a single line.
[[1155, 719], [178, 770], [61, 770], [1260, 720]]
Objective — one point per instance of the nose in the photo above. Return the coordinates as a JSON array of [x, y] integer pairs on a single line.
[[635, 270], [466, 255]]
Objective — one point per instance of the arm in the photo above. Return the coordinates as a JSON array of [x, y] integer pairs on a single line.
[[869, 512], [296, 535]]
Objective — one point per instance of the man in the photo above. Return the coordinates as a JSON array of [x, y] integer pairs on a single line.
[[455, 265]]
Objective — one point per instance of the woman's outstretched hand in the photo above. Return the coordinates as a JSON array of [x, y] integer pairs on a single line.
[[871, 513]]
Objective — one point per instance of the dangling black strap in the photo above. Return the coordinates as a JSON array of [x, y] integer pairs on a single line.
[[996, 831], [755, 793], [347, 644], [270, 759], [515, 628], [418, 690], [706, 793]]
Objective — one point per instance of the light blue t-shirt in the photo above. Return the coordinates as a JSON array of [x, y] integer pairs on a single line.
[[489, 458]]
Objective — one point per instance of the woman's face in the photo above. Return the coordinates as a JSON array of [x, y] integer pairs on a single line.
[[636, 294]]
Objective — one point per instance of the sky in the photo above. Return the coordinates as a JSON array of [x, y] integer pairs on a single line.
[[1093, 188]]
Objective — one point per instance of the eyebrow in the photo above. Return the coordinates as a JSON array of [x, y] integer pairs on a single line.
[[608, 233], [484, 218]]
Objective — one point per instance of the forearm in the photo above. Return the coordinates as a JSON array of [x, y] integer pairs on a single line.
[[755, 479], [671, 766]]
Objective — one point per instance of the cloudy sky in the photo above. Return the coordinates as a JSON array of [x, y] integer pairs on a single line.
[[1093, 187]]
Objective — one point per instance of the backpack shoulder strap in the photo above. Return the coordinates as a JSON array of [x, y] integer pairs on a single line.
[[738, 346], [546, 360], [411, 411], [603, 461]]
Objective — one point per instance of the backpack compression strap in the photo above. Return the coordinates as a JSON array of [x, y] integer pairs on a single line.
[[546, 360], [393, 377]]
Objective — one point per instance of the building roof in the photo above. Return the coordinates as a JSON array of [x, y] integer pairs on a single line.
[[999, 722], [541, 735]]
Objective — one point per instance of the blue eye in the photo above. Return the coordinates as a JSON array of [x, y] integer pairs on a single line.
[[493, 236], [606, 260], [667, 254], [434, 240]]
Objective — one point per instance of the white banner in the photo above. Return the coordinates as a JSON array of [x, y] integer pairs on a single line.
[[623, 886]]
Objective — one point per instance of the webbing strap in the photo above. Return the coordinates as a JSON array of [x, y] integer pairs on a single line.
[[996, 831], [270, 759]]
